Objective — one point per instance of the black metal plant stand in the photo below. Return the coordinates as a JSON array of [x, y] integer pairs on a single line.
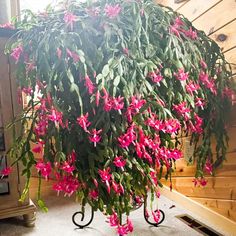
[[81, 225]]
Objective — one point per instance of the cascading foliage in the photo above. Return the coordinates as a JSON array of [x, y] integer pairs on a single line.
[[112, 88]]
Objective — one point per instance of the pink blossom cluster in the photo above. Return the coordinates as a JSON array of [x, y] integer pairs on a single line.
[[179, 27], [208, 82], [121, 229], [156, 76]]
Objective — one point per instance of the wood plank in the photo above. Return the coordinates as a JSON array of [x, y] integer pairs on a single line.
[[217, 187], [216, 17], [231, 57], [226, 36], [224, 207], [227, 225], [171, 3], [193, 9]]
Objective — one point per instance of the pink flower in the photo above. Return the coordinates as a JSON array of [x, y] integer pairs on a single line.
[[7, 171], [208, 167], [129, 226], [67, 167], [105, 174], [83, 122], [38, 148], [118, 103], [44, 168], [203, 64], [27, 90], [122, 230], [59, 52], [16, 52], [7, 26], [93, 194], [155, 76], [156, 215], [192, 87], [73, 55], [181, 75], [118, 188], [112, 11], [192, 34], [182, 110], [68, 185], [126, 51], [56, 117], [195, 182], [113, 219], [95, 136], [199, 102], [69, 19], [175, 154], [203, 182], [126, 139], [171, 126], [119, 162], [89, 84]]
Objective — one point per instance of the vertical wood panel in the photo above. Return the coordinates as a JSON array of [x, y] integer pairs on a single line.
[[172, 3], [231, 57]]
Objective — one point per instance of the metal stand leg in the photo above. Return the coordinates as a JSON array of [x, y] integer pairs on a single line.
[[82, 218], [162, 218]]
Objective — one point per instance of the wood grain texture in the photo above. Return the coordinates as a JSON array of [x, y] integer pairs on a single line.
[[216, 17], [226, 208], [226, 36], [171, 3], [194, 9]]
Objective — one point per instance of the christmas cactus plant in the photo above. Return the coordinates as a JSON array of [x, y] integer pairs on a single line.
[[112, 88]]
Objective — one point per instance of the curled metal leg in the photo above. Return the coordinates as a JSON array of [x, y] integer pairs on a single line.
[[162, 218], [81, 226]]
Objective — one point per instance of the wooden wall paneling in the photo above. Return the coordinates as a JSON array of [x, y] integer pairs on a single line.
[[231, 57], [171, 3], [193, 9], [226, 36], [216, 188], [217, 17], [224, 207]]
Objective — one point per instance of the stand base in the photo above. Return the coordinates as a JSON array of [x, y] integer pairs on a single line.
[[28, 212]]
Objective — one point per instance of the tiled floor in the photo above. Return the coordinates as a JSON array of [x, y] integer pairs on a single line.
[[57, 222]]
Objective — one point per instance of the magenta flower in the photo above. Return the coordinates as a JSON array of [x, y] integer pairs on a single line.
[[73, 55], [27, 90], [83, 122], [126, 139], [203, 64], [119, 162], [129, 226], [156, 215], [118, 103], [16, 52], [93, 194], [89, 84], [175, 154], [155, 76], [182, 110], [181, 75], [113, 219], [171, 126], [6, 171], [203, 182], [69, 19], [59, 52], [192, 34], [112, 11], [199, 102], [95, 136], [105, 174], [192, 87], [122, 230], [38, 148], [208, 167], [67, 167], [44, 168]]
